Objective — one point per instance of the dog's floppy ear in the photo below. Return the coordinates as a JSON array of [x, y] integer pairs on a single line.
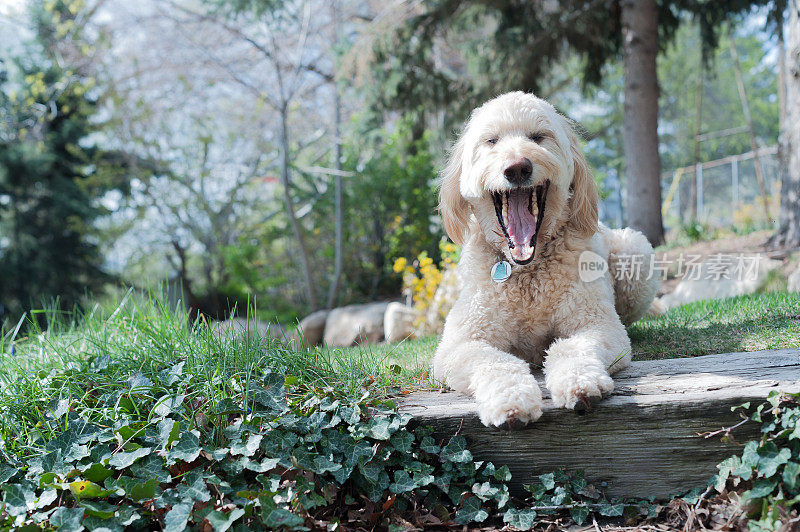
[[584, 192], [452, 205]]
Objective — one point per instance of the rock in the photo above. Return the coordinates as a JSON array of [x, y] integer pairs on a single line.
[[718, 279], [794, 280], [398, 322], [312, 328], [657, 308], [355, 324], [243, 327]]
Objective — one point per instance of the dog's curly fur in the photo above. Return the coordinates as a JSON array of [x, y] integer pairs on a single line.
[[543, 313]]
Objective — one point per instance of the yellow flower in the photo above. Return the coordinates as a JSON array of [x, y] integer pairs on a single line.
[[425, 261], [400, 265]]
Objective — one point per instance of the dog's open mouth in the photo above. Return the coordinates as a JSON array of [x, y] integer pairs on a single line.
[[520, 212]]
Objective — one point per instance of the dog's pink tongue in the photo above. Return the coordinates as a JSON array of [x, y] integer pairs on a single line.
[[521, 224]]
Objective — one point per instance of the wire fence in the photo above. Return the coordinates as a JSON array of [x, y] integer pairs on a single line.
[[728, 192]]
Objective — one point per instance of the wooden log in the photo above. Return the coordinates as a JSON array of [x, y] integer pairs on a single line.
[[641, 441]]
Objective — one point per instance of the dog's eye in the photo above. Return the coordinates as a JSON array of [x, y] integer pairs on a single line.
[[492, 141], [536, 137]]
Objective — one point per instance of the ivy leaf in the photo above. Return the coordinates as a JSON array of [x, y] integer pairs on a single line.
[[97, 472], [175, 520], [18, 499], [726, 467], [222, 521], [402, 441], [522, 519], [791, 475], [6, 472], [268, 464], [272, 396], [503, 474], [139, 384], [381, 428], [46, 498], [537, 491], [761, 488], [76, 452], [195, 488], [485, 491], [172, 374], [249, 447], [127, 515], [187, 448], [86, 489], [168, 404], [143, 491], [456, 451], [371, 471], [579, 514], [67, 518], [470, 512], [279, 518], [611, 510], [100, 509], [402, 482], [770, 458], [428, 445], [122, 460], [561, 496], [323, 464], [548, 481], [151, 466]]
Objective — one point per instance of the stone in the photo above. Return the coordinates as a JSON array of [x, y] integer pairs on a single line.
[[717, 280], [312, 328], [244, 327], [355, 324], [794, 280], [398, 322]]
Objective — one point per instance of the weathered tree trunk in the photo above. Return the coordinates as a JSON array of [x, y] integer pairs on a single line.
[[788, 234], [645, 439], [640, 135], [311, 291]]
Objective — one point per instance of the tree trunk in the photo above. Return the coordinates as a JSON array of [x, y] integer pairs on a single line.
[[640, 135], [338, 215], [788, 234], [311, 291], [698, 128], [337, 164]]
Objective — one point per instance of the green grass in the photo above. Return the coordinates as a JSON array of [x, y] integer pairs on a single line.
[[745, 323]]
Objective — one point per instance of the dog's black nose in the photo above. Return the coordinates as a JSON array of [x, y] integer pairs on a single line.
[[519, 172]]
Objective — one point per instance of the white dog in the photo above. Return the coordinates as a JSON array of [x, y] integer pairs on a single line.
[[519, 195]]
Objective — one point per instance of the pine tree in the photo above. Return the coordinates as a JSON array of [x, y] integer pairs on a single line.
[[50, 172]]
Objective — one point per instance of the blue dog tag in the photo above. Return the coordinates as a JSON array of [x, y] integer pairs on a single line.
[[501, 271]]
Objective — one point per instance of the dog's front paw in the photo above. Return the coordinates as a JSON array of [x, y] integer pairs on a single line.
[[507, 400], [577, 386]]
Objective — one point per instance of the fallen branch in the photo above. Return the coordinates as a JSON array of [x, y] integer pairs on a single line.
[[727, 431]]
